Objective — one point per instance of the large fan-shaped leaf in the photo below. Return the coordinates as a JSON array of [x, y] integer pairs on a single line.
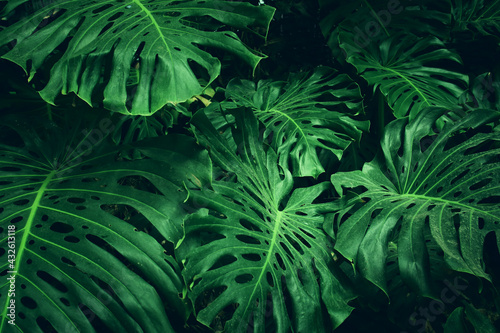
[[446, 185], [296, 114], [259, 250], [77, 266], [107, 37], [404, 67], [482, 16]]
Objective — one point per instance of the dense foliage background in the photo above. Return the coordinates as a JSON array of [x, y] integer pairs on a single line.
[[249, 166]]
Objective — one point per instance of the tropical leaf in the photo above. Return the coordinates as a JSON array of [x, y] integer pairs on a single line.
[[164, 40], [131, 129], [258, 248], [485, 91], [404, 70], [307, 113], [447, 184], [456, 321], [375, 21], [79, 266], [477, 15]]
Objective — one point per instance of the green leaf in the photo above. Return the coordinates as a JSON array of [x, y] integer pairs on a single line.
[[166, 40], [257, 247], [131, 129], [404, 69], [78, 264], [375, 21], [306, 113], [485, 91], [455, 322], [479, 321], [477, 15], [447, 184]]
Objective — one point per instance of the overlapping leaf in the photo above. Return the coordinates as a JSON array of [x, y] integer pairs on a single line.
[[449, 184], [164, 40], [78, 267], [404, 69], [257, 250], [309, 112], [373, 21], [479, 15]]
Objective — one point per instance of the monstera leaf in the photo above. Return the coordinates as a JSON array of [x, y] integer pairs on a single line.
[[257, 250], [78, 266], [373, 21], [456, 321], [99, 42], [297, 115], [479, 15], [449, 184], [402, 67]]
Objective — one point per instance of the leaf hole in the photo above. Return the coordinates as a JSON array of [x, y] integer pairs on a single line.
[[223, 261], [52, 281], [29, 302], [71, 239], [375, 213], [280, 261], [16, 219], [491, 200], [76, 200], [440, 173], [116, 16], [480, 184], [61, 227], [45, 325], [411, 206], [21, 202], [251, 256], [243, 278], [68, 261], [249, 225], [480, 223], [102, 8], [248, 239], [302, 240], [269, 278]]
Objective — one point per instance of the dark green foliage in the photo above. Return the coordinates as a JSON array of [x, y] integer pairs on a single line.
[[159, 173]]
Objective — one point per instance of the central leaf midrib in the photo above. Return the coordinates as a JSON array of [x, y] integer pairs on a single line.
[[158, 28], [22, 245], [407, 80], [449, 202], [291, 120], [277, 225]]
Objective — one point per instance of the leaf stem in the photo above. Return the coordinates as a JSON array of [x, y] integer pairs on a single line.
[[378, 18]]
